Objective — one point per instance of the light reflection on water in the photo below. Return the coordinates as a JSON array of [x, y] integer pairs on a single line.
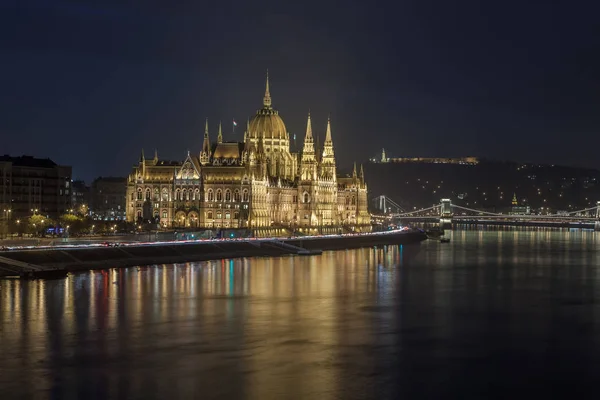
[[511, 310]]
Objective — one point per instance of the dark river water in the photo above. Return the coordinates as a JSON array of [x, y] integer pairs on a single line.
[[490, 315]]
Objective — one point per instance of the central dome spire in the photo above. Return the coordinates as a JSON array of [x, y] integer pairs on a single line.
[[267, 98]]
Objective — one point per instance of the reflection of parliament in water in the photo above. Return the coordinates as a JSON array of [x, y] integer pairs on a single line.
[[254, 183]]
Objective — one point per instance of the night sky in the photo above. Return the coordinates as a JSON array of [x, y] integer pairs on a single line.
[[89, 83]]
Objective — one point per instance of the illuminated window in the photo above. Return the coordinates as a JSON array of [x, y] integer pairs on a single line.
[[219, 215], [210, 195], [164, 215], [227, 215]]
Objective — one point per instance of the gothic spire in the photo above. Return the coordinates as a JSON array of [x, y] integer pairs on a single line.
[[309, 143], [354, 170], [362, 172], [220, 135], [205, 153], [328, 145], [267, 98], [155, 154], [328, 133], [142, 158]]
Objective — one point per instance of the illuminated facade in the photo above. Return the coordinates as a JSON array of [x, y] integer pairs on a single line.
[[251, 184]]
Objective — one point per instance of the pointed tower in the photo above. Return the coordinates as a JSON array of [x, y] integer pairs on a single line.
[[143, 163], [247, 129], [362, 174], [220, 135], [155, 156], [205, 153], [354, 175], [328, 169], [267, 98], [308, 163]]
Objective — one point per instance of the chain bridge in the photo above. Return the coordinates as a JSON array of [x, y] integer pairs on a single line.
[[447, 213]]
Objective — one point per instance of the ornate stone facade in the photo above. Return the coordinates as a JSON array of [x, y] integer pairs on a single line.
[[253, 184]]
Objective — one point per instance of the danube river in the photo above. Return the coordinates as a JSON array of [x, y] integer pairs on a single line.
[[495, 314]]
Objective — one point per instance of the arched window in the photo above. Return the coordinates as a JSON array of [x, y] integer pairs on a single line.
[[164, 214], [139, 194], [219, 215], [132, 196], [236, 215], [219, 195], [209, 215], [245, 195], [147, 193], [187, 195], [177, 194], [306, 198], [197, 194], [139, 214], [227, 215], [210, 195], [236, 196], [228, 195], [165, 195], [156, 194], [353, 201]]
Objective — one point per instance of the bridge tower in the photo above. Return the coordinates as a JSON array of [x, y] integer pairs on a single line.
[[445, 213], [597, 223]]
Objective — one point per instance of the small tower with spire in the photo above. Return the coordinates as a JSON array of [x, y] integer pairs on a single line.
[[205, 153], [328, 169], [220, 135], [308, 162]]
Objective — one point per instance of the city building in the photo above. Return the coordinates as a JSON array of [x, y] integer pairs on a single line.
[[80, 197], [108, 198], [425, 160], [516, 209], [252, 184], [30, 184]]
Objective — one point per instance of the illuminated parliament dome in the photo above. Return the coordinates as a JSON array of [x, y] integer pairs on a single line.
[[267, 124]]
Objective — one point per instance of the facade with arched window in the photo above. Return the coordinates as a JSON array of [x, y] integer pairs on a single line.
[[255, 183]]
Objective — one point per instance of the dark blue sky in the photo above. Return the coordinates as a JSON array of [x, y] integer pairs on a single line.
[[89, 83]]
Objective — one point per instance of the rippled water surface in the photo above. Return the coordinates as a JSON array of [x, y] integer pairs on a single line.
[[489, 315]]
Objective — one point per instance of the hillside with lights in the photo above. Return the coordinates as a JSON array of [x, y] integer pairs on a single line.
[[484, 184]]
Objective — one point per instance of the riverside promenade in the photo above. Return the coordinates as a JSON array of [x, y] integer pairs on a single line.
[[38, 261]]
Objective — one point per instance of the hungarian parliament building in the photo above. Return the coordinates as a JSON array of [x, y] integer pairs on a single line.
[[256, 183]]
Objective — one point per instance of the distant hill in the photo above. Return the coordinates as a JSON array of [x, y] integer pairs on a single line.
[[488, 185]]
